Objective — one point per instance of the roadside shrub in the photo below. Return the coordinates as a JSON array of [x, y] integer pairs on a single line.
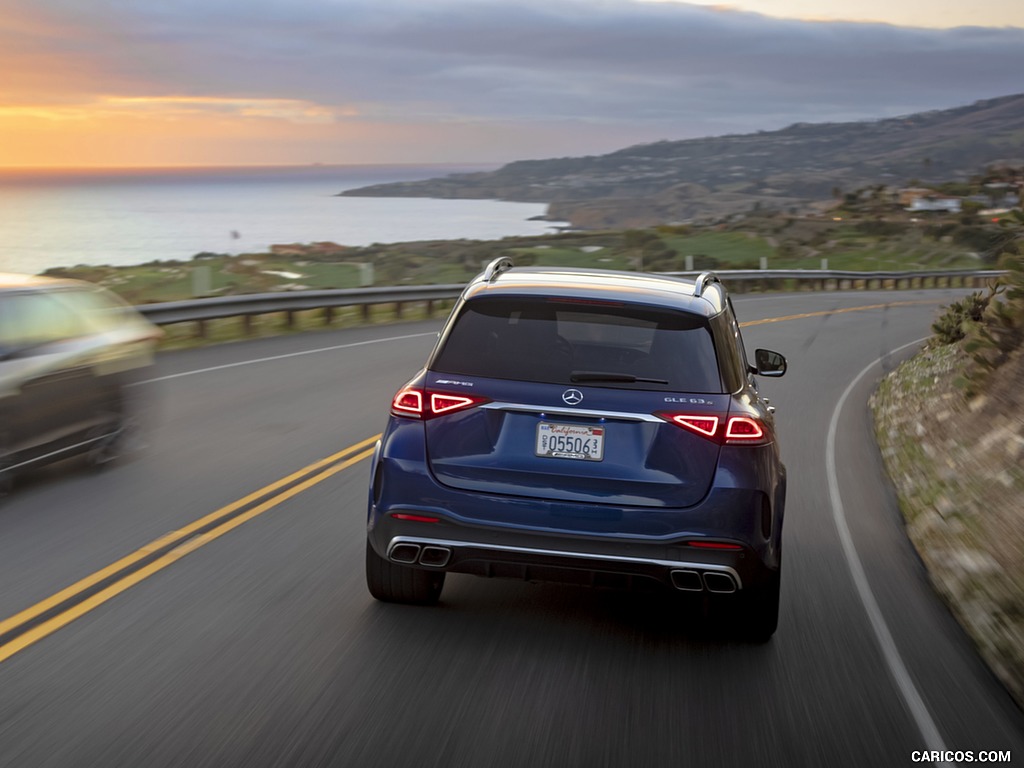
[[1000, 331], [953, 326]]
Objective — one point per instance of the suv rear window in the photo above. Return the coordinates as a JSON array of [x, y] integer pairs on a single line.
[[550, 340]]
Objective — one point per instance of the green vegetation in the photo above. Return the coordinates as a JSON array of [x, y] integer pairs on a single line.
[[249, 273], [869, 231], [956, 321], [998, 334], [852, 239], [948, 426]]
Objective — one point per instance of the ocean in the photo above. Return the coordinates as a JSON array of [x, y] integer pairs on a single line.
[[122, 217]]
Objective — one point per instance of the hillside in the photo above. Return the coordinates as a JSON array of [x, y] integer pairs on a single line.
[[705, 178]]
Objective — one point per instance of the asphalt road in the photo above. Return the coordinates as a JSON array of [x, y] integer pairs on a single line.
[[258, 645]]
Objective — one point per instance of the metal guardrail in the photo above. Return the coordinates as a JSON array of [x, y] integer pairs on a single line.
[[247, 306]]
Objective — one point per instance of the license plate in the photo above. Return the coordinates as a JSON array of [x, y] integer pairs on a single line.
[[570, 441]]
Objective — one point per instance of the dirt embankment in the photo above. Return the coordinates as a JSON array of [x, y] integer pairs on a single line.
[[958, 466]]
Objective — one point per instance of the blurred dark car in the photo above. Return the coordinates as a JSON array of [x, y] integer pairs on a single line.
[[68, 352]]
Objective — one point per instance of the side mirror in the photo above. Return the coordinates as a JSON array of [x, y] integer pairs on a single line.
[[769, 363]]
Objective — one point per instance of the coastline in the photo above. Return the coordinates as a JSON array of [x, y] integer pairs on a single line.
[[133, 217]]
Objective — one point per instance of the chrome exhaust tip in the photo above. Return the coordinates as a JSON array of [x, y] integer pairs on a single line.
[[719, 583], [406, 554], [686, 581], [435, 557]]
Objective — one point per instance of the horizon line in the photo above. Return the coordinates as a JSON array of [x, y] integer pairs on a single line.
[[235, 166]]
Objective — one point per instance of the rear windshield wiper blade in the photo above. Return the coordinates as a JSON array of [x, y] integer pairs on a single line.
[[578, 377]]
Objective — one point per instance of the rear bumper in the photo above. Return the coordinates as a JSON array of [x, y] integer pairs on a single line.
[[494, 534], [580, 559], [532, 563]]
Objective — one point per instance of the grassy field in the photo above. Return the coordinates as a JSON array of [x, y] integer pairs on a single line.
[[733, 250], [252, 273], [868, 244]]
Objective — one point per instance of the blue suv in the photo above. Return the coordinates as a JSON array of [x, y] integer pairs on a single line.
[[584, 426]]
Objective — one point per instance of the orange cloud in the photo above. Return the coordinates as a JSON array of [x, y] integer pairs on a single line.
[[168, 130]]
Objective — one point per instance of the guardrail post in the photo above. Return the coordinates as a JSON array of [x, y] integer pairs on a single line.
[[430, 307], [200, 329], [289, 318], [399, 306], [366, 313], [247, 325], [328, 315]]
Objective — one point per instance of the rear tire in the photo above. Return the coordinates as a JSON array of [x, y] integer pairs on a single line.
[[123, 434], [757, 616], [393, 583]]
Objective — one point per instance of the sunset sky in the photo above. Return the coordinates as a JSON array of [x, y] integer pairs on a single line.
[[86, 83]]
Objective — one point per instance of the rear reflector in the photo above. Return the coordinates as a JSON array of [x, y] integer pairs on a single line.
[[415, 518], [713, 545]]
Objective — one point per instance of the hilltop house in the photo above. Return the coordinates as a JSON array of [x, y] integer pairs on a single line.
[[917, 199]]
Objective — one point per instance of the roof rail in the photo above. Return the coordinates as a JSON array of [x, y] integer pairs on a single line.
[[496, 267], [702, 282]]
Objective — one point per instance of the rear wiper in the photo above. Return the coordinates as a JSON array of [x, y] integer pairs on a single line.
[[577, 377]]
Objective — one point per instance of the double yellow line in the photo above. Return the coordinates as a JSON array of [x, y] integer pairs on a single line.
[[839, 311], [46, 617]]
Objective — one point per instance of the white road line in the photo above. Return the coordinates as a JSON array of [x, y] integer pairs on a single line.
[[282, 357], [911, 696]]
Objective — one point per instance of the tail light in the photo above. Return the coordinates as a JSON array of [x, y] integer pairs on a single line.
[[701, 424], [417, 403], [735, 430], [744, 429]]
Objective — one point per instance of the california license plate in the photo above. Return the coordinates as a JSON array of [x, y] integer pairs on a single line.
[[570, 441]]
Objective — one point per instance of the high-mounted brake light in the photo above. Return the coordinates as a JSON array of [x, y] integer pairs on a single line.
[[584, 302], [418, 403]]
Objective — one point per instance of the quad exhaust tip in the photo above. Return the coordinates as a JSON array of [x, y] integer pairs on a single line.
[[696, 581], [428, 555], [405, 553], [435, 557], [687, 581], [720, 583]]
